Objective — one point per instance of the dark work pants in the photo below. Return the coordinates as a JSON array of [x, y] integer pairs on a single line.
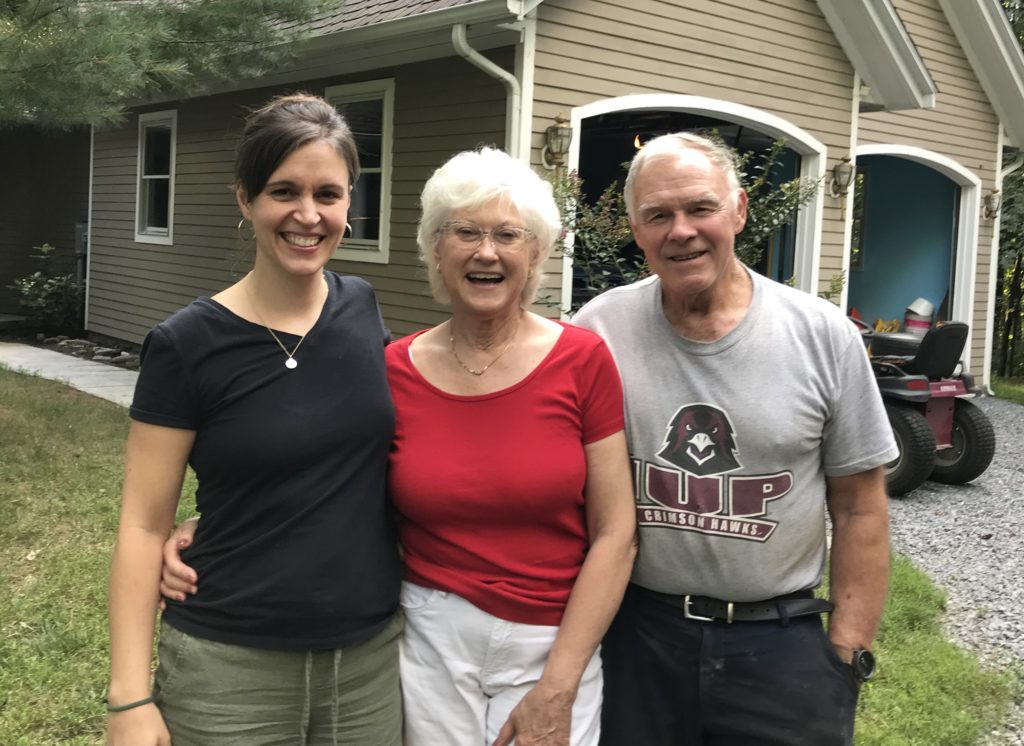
[[671, 681]]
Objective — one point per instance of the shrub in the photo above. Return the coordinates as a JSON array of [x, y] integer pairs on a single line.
[[51, 301]]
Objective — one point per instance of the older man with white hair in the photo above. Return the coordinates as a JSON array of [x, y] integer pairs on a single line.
[[751, 411]]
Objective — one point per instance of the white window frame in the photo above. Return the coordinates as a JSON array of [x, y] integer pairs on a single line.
[[143, 234], [364, 250]]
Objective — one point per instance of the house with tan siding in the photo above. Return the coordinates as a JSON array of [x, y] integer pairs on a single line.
[[924, 97]]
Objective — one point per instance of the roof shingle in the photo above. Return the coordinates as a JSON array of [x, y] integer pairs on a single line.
[[360, 13]]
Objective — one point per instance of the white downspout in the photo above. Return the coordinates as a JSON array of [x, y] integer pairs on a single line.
[[515, 97]]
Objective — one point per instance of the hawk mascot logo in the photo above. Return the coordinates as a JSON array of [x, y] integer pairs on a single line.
[[700, 440]]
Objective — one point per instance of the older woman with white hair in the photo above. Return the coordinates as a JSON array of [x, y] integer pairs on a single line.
[[510, 471], [509, 468]]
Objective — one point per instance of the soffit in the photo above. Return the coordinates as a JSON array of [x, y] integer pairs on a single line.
[[880, 50], [988, 40]]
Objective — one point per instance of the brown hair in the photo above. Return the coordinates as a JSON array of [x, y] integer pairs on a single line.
[[283, 125]]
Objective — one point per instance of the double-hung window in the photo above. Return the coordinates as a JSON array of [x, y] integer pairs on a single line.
[[154, 195], [368, 108]]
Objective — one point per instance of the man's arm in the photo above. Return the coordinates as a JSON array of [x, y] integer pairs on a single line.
[[859, 568]]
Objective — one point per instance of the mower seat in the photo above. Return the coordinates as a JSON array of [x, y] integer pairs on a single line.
[[936, 356]]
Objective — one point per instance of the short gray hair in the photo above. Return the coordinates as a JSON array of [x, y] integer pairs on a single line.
[[474, 178], [670, 145]]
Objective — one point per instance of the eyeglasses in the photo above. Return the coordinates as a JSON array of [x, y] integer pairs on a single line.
[[470, 236]]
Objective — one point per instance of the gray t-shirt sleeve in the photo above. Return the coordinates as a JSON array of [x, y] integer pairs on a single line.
[[857, 436]]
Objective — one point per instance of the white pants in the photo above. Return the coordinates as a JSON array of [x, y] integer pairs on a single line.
[[464, 670]]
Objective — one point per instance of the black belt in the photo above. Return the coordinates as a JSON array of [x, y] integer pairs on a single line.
[[704, 609]]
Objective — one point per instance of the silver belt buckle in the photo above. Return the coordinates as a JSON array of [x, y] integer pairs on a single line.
[[689, 615]]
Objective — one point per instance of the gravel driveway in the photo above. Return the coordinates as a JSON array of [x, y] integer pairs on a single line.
[[970, 541]]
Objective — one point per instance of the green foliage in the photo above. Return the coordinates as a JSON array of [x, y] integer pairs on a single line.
[[834, 289], [1011, 389], [600, 231], [1008, 341], [60, 477], [769, 207], [67, 63], [1008, 350], [52, 301], [1015, 14]]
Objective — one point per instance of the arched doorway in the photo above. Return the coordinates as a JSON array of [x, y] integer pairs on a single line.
[[914, 234], [607, 129]]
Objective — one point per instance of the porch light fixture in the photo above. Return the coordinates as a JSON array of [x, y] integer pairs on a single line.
[[557, 139], [992, 202], [842, 177]]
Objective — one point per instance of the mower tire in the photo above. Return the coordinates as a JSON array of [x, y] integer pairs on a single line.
[[974, 444], [916, 443]]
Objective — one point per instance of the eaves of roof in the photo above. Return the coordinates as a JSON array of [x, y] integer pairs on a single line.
[[397, 25], [994, 52], [877, 44], [361, 20], [357, 14]]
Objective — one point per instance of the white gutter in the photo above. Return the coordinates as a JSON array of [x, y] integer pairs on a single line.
[[526, 53], [513, 105]]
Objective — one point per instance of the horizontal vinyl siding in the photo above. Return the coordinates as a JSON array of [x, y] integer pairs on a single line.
[[441, 107], [962, 126], [779, 57]]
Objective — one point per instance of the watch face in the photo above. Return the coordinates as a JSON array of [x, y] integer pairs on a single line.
[[864, 664]]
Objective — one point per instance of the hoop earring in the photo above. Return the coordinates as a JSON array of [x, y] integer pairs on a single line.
[[348, 232], [252, 232]]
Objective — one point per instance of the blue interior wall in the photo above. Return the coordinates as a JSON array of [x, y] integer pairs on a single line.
[[909, 217]]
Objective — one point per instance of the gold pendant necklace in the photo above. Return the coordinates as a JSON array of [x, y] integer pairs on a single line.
[[481, 371], [290, 362]]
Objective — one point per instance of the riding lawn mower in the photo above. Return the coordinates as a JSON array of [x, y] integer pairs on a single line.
[[940, 433]]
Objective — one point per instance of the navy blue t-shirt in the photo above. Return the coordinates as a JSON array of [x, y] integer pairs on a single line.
[[295, 547]]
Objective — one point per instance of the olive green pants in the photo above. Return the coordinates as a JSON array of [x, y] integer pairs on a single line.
[[212, 694]]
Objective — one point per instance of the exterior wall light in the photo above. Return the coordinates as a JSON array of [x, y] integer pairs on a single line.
[[992, 202], [557, 139], [842, 177]]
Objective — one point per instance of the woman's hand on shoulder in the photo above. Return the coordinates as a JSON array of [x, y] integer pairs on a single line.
[[542, 718], [177, 578], [140, 726]]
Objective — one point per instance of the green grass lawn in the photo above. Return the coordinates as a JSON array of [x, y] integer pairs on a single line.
[[60, 482], [60, 475], [927, 692], [1009, 388]]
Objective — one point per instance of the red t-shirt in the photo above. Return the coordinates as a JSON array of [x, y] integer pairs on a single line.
[[490, 487]]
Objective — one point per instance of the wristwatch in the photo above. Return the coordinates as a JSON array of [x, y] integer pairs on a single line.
[[863, 663]]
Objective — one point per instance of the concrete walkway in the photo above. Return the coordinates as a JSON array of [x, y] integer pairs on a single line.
[[105, 381]]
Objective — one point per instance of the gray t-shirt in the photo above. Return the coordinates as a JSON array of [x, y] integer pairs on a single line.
[[731, 440]]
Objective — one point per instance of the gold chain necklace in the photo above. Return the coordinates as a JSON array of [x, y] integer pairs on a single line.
[[474, 371], [290, 362]]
